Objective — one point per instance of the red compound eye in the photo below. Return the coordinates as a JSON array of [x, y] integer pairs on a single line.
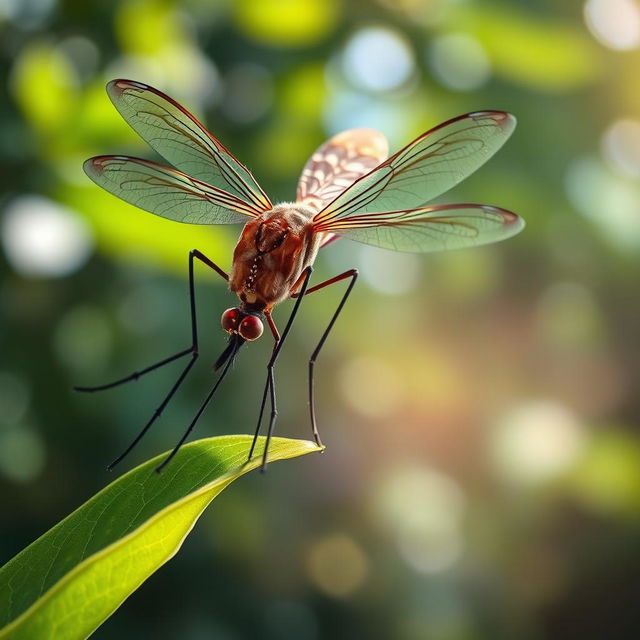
[[251, 328], [231, 320]]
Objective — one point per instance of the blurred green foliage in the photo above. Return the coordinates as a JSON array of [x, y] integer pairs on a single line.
[[480, 409]]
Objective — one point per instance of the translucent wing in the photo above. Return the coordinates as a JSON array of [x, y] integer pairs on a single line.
[[166, 192], [434, 228], [338, 163], [177, 136], [426, 168]]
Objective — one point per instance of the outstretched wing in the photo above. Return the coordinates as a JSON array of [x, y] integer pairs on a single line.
[[434, 228], [338, 163], [166, 192], [178, 136], [426, 168]]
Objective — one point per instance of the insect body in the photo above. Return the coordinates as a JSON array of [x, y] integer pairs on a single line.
[[271, 255], [348, 188]]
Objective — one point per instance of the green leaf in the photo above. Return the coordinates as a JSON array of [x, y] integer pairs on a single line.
[[537, 52], [76, 575], [124, 231]]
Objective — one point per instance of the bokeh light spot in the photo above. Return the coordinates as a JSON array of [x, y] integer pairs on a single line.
[[302, 91], [351, 109], [621, 146], [614, 23], [22, 454], [608, 477], [165, 70], [378, 59], [28, 14], [531, 50], [44, 83], [536, 443], [145, 27], [248, 93], [426, 12], [411, 492], [83, 53], [467, 275], [337, 565], [428, 550], [42, 238], [422, 508], [459, 61], [14, 398], [611, 201], [371, 386], [569, 317], [83, 338], [286, 23], [286, 149], [390, 272], [158, 46]]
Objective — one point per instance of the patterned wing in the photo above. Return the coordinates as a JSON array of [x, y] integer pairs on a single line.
[[338, 163], [434, 228], [177, 136], [426, 168], [166, 192]]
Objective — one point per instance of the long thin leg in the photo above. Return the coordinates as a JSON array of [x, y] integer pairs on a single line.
[[270, 379], [136, 374], [193, 350], [194, 330], [276, 340], [353, 274], [203, 406], [156, 414], [270, 366]]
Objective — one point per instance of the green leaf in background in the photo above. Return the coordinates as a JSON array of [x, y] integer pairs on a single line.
[[76, 575], [122, 230], [547, 55]]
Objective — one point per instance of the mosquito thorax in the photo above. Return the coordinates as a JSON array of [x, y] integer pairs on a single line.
[[284, 219], [246, 325], [296, 211], [272, 251], [270, 234]]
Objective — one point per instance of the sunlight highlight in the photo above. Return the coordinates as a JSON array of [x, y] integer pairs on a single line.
[[423, 510], [390, 272], [371, 387], [14, 397], [22, 454], [614, 23], [378, 59], [337, 565], [43, 239], [609, 200], [621, 146], [459, 61], [537, 442], [286, 23]]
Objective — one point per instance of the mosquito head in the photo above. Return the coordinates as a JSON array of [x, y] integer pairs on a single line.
[[246, 325]]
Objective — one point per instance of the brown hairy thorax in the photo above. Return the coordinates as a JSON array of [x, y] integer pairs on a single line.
[[271, 254]]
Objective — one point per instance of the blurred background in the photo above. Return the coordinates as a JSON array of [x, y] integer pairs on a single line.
[[480, 408]]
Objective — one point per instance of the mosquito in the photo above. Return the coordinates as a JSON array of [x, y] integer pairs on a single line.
[[348, 189]]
